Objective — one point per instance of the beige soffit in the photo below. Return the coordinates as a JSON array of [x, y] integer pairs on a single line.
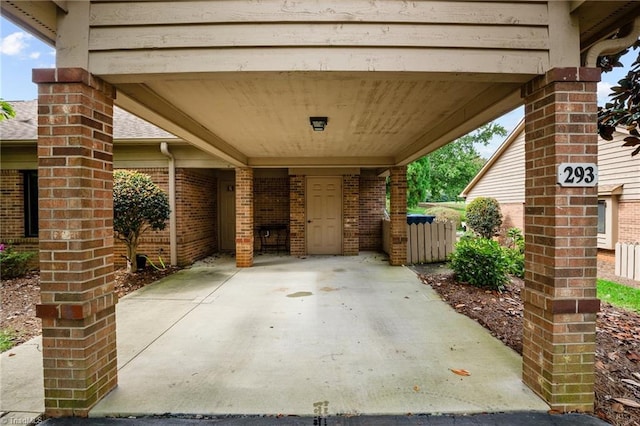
[[496, 155]]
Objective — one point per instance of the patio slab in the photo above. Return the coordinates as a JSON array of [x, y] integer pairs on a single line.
[[323, 335]]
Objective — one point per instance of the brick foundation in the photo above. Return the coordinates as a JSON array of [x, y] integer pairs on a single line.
[[398, 255], [244, 217], [75, 113], [629, 221], [560, 231]]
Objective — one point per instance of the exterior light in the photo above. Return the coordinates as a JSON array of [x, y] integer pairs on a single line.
[[318, 123]]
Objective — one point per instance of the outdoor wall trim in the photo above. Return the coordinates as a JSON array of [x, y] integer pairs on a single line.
[[173, 230]]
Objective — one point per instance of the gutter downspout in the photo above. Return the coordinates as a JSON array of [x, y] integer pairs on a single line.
[[612, 46], [173, 233]]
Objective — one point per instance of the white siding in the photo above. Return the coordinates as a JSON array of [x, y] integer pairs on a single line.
[[504, 181], [616, 166]]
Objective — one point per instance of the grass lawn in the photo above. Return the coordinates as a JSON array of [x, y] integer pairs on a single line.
[[6, 340], [619, 295]]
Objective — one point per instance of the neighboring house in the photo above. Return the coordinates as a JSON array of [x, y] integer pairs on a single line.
[[503, 178], [254, 83], [203, 193]]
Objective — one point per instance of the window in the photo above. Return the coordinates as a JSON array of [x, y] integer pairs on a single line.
[[602, 217], [30, 182]]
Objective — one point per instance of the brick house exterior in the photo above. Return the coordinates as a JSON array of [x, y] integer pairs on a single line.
[[196, 193], [502, 178], [244, 81]]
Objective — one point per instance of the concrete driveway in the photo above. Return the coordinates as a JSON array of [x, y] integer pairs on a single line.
[[315, 336], [321, 335]]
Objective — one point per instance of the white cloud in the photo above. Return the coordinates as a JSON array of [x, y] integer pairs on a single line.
[[15, 44], [604, 89], [34, 55]]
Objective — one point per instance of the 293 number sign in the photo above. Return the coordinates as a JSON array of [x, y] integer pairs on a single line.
[[578, 174]]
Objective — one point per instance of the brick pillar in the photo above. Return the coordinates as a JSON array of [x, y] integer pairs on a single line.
[[351, 215], [244, 217], [398, 255], [75, 181], [560, 303], [297, 216]]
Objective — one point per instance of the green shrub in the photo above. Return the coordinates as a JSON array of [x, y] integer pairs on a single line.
[[514, 252], [444, 214], [480, 262], [13, 263], [484, 216]]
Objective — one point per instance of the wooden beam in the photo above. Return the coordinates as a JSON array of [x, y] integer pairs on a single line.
[[387, 11], [328, 34], [142, 102], [108, 64]]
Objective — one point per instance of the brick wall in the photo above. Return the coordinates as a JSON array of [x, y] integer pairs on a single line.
[[244, 217], [297, 216], [75, 179], [350, 215], [372, 205], [197, 215], [12, 213], [271, 202], [398, 214], [629, 221], [560, 303], [512, 215]]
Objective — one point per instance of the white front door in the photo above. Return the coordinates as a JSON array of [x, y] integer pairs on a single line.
[[324, 215]]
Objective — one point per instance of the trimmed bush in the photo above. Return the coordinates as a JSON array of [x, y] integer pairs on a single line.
[[13, 263], [514, 252], [484, 216], [480, 262], [138, 205], [445, 214]]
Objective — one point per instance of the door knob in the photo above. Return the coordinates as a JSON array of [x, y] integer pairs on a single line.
[[308, 221]]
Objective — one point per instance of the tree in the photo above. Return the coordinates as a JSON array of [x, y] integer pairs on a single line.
[[484, 216], [624, 108], [6, 110], [445, 172], [138, 205]]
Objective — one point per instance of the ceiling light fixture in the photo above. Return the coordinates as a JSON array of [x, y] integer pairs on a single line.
[[318, 123]]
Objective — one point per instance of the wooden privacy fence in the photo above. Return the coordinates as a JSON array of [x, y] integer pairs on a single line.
[[628, 260], [426, 242]]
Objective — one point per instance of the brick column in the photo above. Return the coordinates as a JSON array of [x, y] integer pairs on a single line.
[[560, 231], [351, 215], [297, 216], [244, 217], [398, 214], [75, 181]]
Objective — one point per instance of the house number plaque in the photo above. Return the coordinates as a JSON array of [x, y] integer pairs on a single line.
[[578, 174]]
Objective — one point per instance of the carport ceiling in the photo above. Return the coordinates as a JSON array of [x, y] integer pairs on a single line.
[[375, 119]]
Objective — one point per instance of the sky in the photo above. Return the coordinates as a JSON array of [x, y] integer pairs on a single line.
[[20, 52]]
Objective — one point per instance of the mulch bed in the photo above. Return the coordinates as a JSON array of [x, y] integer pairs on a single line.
[[19, 297], [617, 340]]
